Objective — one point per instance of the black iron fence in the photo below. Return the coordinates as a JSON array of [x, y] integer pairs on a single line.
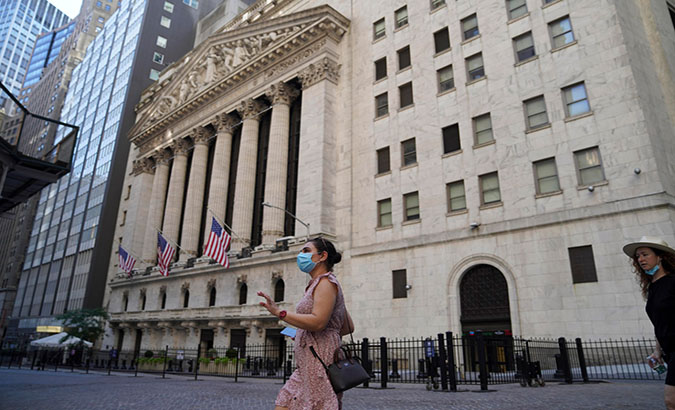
[[441, 362]]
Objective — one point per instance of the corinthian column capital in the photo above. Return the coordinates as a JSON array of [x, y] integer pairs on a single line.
[[161, 156], [282, 93], [326, 69], [250, 108], [142, 165], [180, 146], [200, 135], [224, 122]]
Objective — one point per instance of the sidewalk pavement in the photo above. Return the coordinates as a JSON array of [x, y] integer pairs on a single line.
[[34, 390]]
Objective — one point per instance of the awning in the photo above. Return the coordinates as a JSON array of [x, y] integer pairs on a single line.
[[55, 341]]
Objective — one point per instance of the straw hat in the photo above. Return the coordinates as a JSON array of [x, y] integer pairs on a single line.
[[648, 242]]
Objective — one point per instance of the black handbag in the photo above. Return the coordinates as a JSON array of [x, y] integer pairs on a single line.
[[346, 373]]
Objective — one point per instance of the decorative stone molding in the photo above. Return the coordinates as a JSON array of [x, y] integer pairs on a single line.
[[241, 279], [250, 108], [211, 284], [181, 146], [185, 286], [282, 93], [224, 122], [162, 289], [125, 294], [296, 59], [143, 292], [326, 69], [200, 136], [161, 156], [142, 165], [277, 275]]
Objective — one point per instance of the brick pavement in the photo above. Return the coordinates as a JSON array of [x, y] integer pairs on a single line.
[[34, 390]]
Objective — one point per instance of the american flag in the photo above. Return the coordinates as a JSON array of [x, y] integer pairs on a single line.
[[216, 246], [165, 254], [127, 261]]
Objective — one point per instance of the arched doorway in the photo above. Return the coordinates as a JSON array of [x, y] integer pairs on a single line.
[[484, 300]]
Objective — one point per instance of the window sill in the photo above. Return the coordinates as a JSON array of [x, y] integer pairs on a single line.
[[491, 205], [401, 70], [446, 91], [381, 174], [599, 183], [579, 116], [408, 166], [397, 29], [468, 40], [542, 127], [485, 144], [442, 6], [518, 64], [384, 228], [457, 212], [563, 47], [381, 117], [443, 52], [377, 40], [518, 18], [413, 222], [380, 80], [476, 80], [551, 3], [548, 194], [452, 153], [407, 107]]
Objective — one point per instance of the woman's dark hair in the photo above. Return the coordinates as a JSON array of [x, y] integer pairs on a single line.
[[667, 264], [324, 245]]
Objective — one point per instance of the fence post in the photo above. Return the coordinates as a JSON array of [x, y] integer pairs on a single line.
[[166, 356], [444, 366], [582, 360], [564, 357], [283, 359], [32, 364], [236, 365], [88, 360], [11, 359], [42, 360], [196, 365], [482, 362], [451, 361], [21, 354], [384, 365], [56, 362], [365, 360]]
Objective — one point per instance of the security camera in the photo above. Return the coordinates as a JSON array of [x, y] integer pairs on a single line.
[[591, 188], [637, 171], [474, 225], [408, 287]]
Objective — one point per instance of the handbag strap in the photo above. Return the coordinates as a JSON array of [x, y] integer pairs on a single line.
[[311, 348]]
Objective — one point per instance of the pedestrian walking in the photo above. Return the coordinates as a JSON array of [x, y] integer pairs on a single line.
[[321, 318], [654, 263]]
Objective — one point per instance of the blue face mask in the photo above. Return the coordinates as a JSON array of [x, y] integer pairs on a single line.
[[652, 271], [305, 262]]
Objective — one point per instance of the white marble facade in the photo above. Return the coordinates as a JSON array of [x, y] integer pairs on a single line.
[[327, 54]]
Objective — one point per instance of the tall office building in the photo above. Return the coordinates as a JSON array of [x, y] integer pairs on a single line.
[[21, 22], [54, 57], [480, 164], [67, 255]]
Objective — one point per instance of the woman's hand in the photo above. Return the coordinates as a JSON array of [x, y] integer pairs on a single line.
[[269, 304], [658, 356]]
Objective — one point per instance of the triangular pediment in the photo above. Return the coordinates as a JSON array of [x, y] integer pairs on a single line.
[[227, 58]]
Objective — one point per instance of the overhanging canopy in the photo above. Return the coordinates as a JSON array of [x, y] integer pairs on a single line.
[[55, 341]]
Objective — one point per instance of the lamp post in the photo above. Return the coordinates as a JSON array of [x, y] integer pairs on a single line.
[[290, 214]]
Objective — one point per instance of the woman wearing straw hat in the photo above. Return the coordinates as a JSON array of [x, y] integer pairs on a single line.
[[654, 264]]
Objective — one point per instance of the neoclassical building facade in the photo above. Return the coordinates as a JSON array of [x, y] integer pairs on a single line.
[[478, 163]]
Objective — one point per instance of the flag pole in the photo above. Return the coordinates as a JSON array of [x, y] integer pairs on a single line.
[[130, 253], [225, 225], [167, 238]]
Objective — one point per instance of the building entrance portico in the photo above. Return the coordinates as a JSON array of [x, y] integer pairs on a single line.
[[484, 300]]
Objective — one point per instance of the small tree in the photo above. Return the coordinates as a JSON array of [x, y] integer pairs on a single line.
[[86, 324]]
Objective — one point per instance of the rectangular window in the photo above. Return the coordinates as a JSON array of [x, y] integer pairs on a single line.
[[546, 176], [100, 20], [441, 40], [381, 105], [405, 92], [158, 58], [456, 196], [383, 164], [436, 4], [384, 213], [474, 67], [399, 282], [408, 152], [401, 17], [380, 68], [516, 8], [161, 41], [482, 128], [165, 22], [192, 3], [451, 138], [575, 99], [470, 27], [489, 188], [446, 79], [403, 57], [582, 264], [535, 110], [154, 74], [589, 166], [524, 47], [168, 7], [379, 29], [411, 204], [561, 32]]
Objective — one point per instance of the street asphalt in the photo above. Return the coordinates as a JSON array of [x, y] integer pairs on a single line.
[[34, 390]]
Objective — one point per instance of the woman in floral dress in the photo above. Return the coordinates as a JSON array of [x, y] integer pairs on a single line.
[[321, 318]]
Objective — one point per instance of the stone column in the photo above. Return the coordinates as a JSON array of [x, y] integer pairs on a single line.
[[194, 204], [242, 215], [220, 170], [277, 162], [156, 206], [137, 206], [174, 197], [317, 160]]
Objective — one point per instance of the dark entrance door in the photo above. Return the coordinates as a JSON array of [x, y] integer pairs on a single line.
[[274, 347], [137, 345], [238, 340], [205, 341]]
